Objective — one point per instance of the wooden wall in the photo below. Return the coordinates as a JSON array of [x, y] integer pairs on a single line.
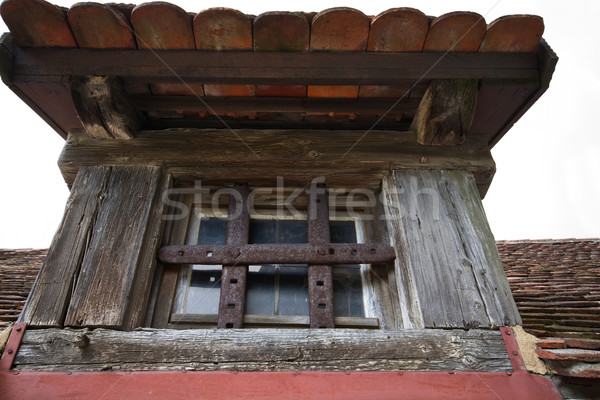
[[100, 264]]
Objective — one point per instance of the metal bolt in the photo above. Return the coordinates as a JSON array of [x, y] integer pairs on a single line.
[[515, 353], [509, 373], [321, 251], [508, 332], [18, 329], [9, 351], [451, 372]]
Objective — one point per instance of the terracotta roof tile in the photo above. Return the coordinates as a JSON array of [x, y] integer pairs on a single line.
[[161, 25]]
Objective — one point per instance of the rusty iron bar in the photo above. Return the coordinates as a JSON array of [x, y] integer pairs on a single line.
[[320, 277], [232, 299], [12, 346], [301, 253]]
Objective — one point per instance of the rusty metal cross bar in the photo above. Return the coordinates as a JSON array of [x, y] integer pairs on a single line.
[[237, 254]]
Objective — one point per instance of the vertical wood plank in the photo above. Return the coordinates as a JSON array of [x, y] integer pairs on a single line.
[[446, 249], [51, 292], [118, 265]]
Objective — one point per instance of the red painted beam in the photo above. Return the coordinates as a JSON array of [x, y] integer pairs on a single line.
[[277, 385]]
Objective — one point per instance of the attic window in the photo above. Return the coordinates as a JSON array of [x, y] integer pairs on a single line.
[[246, 272]]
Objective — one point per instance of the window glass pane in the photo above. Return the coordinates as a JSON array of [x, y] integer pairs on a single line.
[[293, 288], [347, 291], [263, 231], [204, 291], [342, 231], [212, 231], [260, 293]]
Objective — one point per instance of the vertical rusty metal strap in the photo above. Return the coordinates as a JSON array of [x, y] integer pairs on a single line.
[[233, 279], [510, 341], [12, 347], [320, 279]]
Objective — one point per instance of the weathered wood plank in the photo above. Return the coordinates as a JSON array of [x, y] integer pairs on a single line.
[[118, 265], [446, 112], [333, 68], [442, 235], [104, 107], [250, 350], [260, 156], [51, 292]]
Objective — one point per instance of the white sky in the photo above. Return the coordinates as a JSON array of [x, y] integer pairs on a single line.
[[548, 179]]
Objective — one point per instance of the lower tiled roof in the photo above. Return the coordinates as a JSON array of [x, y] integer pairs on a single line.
[[556, 285], [18, 269]]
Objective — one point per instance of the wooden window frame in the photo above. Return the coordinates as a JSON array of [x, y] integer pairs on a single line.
[[380, 297]]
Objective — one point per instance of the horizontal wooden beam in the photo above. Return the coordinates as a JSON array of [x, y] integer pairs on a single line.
[[345, 158], [252, 349], [317, 68], [275, 104]]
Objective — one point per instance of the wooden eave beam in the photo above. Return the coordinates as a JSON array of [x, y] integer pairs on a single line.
[[218, 156], [43, 64], [104, 107], [446, 112]]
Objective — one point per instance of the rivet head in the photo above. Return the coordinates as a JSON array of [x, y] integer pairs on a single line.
[[18, 329], [508, 332], [9, 351], [514, 353], [509, 373]]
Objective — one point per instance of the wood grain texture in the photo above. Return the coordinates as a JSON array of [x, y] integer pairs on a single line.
[[299, 156], [37, 23], [252, 350], [514, 34], [446, 112], [442, 236], [52, 290], [100, 26], [455, 32], [104, 107], [118, 264], [164, 26]]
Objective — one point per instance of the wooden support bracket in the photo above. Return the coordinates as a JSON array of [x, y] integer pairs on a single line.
[[104, 107], [446, 112]]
